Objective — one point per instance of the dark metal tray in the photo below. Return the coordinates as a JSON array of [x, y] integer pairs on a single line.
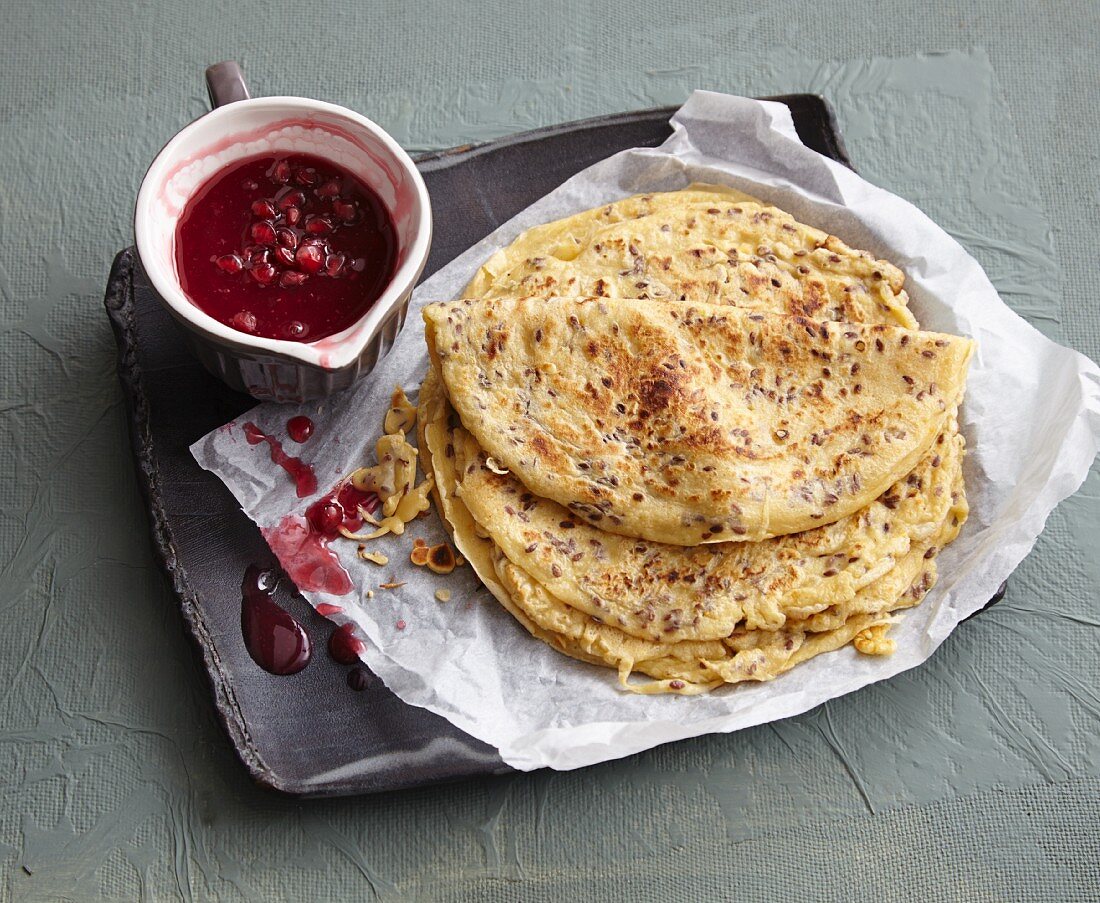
[[310, 734]]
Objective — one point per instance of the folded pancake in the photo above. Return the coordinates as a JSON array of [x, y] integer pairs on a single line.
[[705, 244], [682, 666], [749, 656], [667, 593], [467, 535], [690, 424]]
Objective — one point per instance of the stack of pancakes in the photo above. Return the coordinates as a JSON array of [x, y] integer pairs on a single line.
[[687, 436]]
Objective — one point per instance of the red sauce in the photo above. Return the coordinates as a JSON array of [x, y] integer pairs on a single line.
[[302, 543], [305, 482], [340, 508], [291, 247], [273, 637], [344, 646], [359, 679], [299, 428], [306, 558]]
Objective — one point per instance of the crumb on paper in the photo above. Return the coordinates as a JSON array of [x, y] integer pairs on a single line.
[[388, 525], [391, 585], [377, 557], [401, 625], [409, 507], [443, 595], [419, 555], [392, 478], [459, 561], [401, 416], [441, 559], [416, 501], [370, 594]]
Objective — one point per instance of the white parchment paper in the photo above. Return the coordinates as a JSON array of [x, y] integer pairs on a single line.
[[1031, 420]]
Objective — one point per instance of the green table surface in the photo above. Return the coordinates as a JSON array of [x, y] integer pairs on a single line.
[[974, 777]]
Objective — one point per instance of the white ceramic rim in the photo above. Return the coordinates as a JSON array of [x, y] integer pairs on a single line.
[[333, 352]]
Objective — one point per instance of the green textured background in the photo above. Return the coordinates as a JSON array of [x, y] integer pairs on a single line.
[[975, 777]]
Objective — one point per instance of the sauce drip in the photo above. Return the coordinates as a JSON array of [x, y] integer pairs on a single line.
[[299, 428], [305, 482], [302, 543], [344, 646], [359, 678], [273, 637]]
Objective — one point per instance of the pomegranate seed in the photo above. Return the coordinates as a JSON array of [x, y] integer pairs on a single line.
[[243, 320], [281, 173], [358, 264], [329, 190], [290, 278], [291, 199], [306, 176], [263, 232], [285, 256], [288, 239], [310, 258], [292, 214], [257, 256], [264, 208], [318, 225], [334, 263], [264, 273], [344, 209], [294, 329], [329, 518], [230, 263]]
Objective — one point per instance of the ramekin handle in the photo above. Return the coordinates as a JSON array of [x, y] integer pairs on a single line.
[[225, 84]]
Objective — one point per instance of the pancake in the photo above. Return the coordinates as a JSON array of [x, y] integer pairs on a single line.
[[705, 244], [558, 543], [466, 534], [691, 424], [750, 656], [668, 593], [684, 666], [747, 655]]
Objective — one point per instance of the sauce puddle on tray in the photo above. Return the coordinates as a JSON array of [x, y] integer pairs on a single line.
[[344, 646], [278, 642], [274, 638]]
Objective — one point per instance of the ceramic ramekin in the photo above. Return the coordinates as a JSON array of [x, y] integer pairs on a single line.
[[273, 369]]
